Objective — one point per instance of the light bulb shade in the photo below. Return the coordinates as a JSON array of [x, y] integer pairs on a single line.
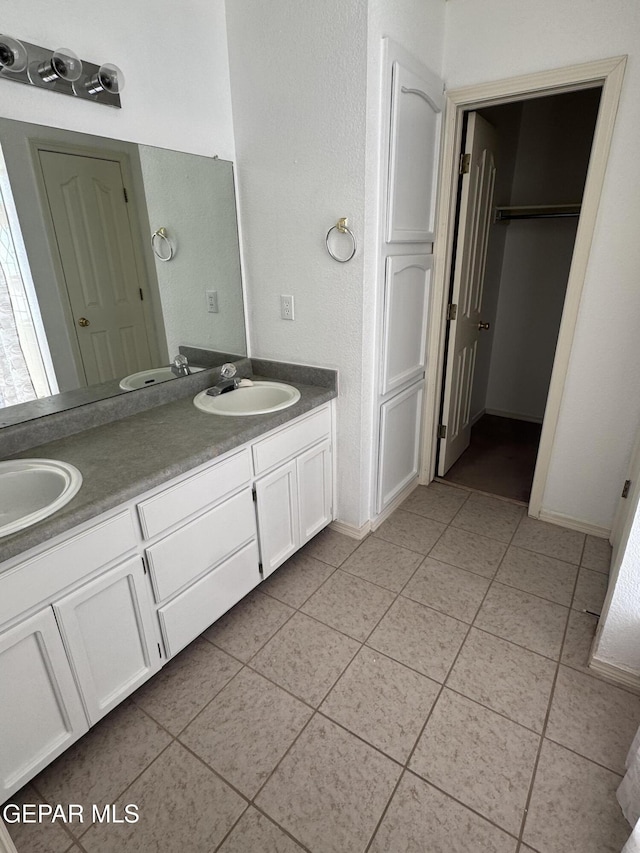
[[109, 78], [63, 65], [13, 54]]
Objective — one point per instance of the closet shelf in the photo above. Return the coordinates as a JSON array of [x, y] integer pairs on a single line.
[[537, 211]]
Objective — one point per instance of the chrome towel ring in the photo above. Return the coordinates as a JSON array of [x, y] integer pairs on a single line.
[[159, 239], [341, 227]]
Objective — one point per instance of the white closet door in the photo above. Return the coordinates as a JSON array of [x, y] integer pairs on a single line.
[[406, 302], [399, 457], [416, 111]]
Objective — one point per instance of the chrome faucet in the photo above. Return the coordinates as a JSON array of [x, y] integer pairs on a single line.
[[228, 380], [180, 366]]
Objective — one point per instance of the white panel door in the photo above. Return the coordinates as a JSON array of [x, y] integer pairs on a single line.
[[90, 220], [399, 457], [406, 302], [475, 218], [40, 712], [278, 516], [416, 110], [314, 490], [109, 630]]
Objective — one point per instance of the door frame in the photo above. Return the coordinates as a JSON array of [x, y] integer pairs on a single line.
[[609, 74], [145, 270]]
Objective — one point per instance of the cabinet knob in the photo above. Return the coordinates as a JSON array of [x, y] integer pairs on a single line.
[[483, 327]]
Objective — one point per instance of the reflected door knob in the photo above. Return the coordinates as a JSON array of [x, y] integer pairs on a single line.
[[83, 321], [484, 326]]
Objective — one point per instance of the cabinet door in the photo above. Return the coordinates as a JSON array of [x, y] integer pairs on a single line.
[[399, 457], [314, 490], [416, 106], [108, 629], [278, 517], [40, 713], [406, 303]]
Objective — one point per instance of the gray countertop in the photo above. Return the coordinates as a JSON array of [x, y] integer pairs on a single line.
[[127, 457]]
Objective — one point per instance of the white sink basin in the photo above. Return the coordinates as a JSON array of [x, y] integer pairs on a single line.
[[150, 377], [32, 489], [260, 398]]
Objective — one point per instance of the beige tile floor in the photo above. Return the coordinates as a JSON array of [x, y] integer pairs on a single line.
[[424, 690]]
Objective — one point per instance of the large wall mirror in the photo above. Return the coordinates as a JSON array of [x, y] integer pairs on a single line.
[[84, 299]]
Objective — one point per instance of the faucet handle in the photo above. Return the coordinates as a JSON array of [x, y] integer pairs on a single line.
[[228, 370], [180, 360]]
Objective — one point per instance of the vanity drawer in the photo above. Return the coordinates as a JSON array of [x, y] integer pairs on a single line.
[[186, 498], [291, 440], [183, 556], [187, 616], [38, 579]]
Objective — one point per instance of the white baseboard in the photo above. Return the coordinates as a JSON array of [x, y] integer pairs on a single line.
[[574, 524], [514, 416], [395, 503], [616, 675], [350, 530]]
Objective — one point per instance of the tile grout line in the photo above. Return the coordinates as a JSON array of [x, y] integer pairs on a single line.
[[546, 720], [424, 726]]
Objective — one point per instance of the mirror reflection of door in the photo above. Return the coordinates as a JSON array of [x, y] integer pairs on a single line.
[[87, 203]]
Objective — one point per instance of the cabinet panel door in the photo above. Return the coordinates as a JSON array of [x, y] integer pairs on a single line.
[[416, 108], [399, 457], [109, 631], [278, 517], [40, 713], [314, 490], [406, 302]]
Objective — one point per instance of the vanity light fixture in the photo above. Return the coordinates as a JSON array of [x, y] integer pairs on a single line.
[[59, 71]]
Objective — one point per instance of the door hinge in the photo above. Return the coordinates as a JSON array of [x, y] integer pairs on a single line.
[[625, 488], [452, 312], [141, 294], [144, 565], [253, 494], [465, 163], [159, 651], [442, 431], [260, 569], [126, 195]]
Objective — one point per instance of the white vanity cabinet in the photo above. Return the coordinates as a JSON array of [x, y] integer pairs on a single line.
[[293, 500], [108, 629], [40, 712], [86, 620]]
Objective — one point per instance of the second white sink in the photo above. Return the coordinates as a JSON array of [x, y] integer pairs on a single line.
[[32, 489], [260, 398], [150, 377]]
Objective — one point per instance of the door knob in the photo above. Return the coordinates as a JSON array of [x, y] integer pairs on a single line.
[[483, 327], [83, 321]]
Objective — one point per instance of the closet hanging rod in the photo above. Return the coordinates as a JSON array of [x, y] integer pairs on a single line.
[[552, 211]]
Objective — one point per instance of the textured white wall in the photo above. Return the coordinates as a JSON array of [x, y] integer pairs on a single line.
[[194, 198], [305, 92], [182, 102], [601, 404], [298, 73], [619, 643]]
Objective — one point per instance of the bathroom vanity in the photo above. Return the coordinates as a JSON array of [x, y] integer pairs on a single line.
[[181, 515]]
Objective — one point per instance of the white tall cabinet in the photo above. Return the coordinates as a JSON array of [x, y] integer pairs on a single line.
[[412, 113]]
